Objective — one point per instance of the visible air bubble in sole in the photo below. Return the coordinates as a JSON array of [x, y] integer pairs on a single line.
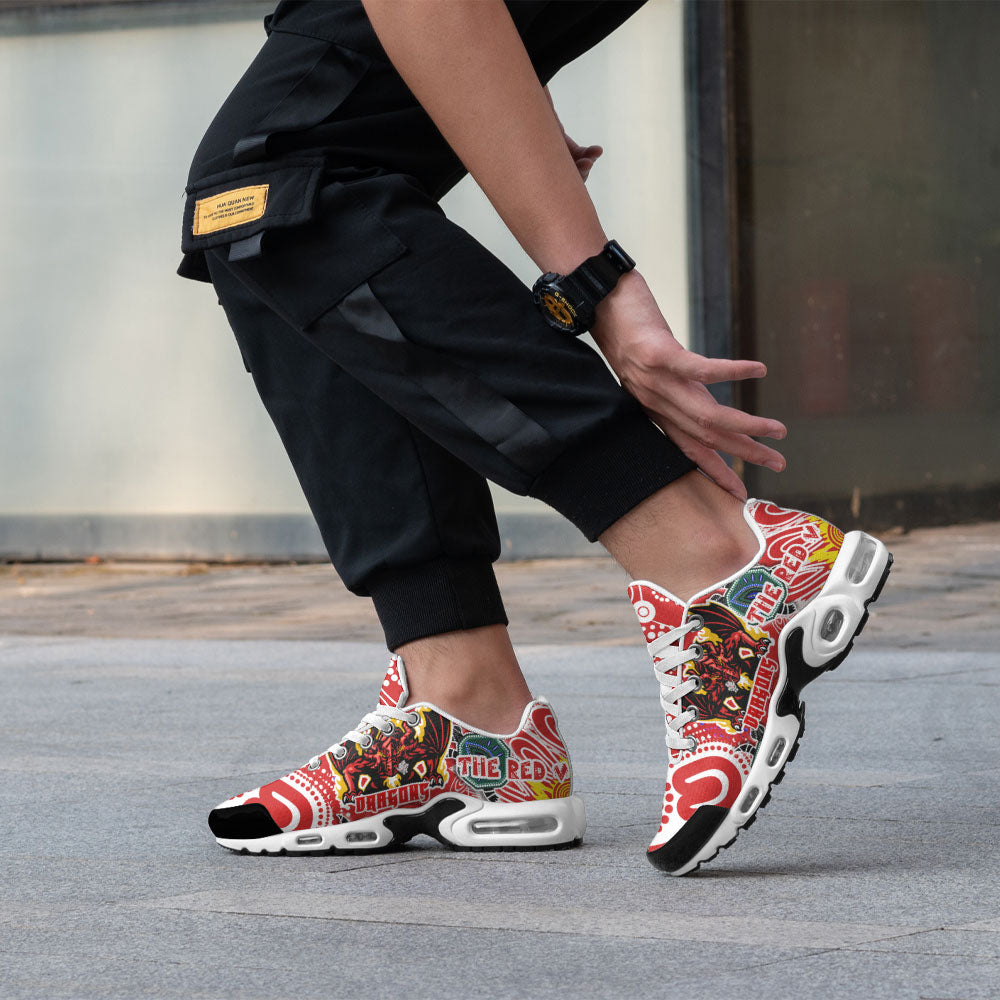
[[862, 559], [775, 755], [832, 624], [543, 824]]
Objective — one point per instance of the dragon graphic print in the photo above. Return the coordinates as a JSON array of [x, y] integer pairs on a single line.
[[736, 659]]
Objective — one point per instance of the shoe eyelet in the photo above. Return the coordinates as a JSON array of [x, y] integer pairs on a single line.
[[692, 744], [341, 755], [696, 651], [313, 765], [388, 731], [413, 718], [366, 742], [697, 619]]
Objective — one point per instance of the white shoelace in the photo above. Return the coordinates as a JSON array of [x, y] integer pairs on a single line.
[[382, 718], [668, 658]]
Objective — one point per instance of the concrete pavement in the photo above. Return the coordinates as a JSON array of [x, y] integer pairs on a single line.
[[873, 871]]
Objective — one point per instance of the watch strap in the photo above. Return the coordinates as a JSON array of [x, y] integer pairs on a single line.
[[599, 274]]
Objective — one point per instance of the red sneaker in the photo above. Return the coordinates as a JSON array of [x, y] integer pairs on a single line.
[[732, 664], [409, 769]]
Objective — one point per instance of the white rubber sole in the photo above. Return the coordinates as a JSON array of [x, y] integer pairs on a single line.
[[829, 625], [458, 821]]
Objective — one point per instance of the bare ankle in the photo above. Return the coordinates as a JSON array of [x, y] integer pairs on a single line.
[[471, 674], [685, 537]]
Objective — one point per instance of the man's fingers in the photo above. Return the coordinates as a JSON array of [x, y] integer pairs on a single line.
[[735, 421], [710, 462], [713, 436], [711, 416], [582, 152], [746, 448], [753, 452], [720, 427], [687, 364], [743, 447], [585, 158]]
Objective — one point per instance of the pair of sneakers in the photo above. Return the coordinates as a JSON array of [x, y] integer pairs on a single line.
[[731, 664]]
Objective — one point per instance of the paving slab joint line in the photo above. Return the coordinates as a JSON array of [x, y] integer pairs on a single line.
[[572, 921]]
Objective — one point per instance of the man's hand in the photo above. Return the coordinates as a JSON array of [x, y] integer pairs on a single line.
[[583, 156], [669, 382]]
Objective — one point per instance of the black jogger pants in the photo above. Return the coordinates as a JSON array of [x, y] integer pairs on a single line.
[[402, 363]]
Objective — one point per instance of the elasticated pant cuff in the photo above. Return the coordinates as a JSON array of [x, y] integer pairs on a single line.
[[441, 595], [599, 479]]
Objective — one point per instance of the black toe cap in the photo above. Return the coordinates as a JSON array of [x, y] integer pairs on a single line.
[[247, 822], [689, 840]]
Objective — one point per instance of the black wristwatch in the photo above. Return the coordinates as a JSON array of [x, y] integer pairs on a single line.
[[567, 301]]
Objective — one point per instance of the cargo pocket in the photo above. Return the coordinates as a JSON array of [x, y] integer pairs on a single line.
[[299, 240]]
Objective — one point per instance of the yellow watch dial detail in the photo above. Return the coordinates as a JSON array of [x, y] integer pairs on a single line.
[[559, 308]]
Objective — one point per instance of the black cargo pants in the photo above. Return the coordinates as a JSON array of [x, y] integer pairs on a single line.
[[402, 363]]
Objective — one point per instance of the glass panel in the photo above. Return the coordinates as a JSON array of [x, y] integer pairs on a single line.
[[870, 228]]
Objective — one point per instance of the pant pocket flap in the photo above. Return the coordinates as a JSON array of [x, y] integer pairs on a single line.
[[238, 204]]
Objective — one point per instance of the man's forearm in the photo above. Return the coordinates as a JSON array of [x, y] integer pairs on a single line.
[[466, 64]]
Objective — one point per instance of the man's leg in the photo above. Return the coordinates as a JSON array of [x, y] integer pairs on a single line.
[[684, 537], [456, 747], [404, 521]]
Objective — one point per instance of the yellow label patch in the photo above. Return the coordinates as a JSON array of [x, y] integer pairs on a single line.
[[231, 208]]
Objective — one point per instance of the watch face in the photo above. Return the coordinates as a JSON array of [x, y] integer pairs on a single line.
[[556, 308]]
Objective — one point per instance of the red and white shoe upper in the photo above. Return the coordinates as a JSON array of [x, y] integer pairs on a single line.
[[715, 726], [401, 756]]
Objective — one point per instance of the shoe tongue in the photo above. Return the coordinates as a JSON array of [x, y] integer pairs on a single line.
[[394, 688], [657, 609]]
